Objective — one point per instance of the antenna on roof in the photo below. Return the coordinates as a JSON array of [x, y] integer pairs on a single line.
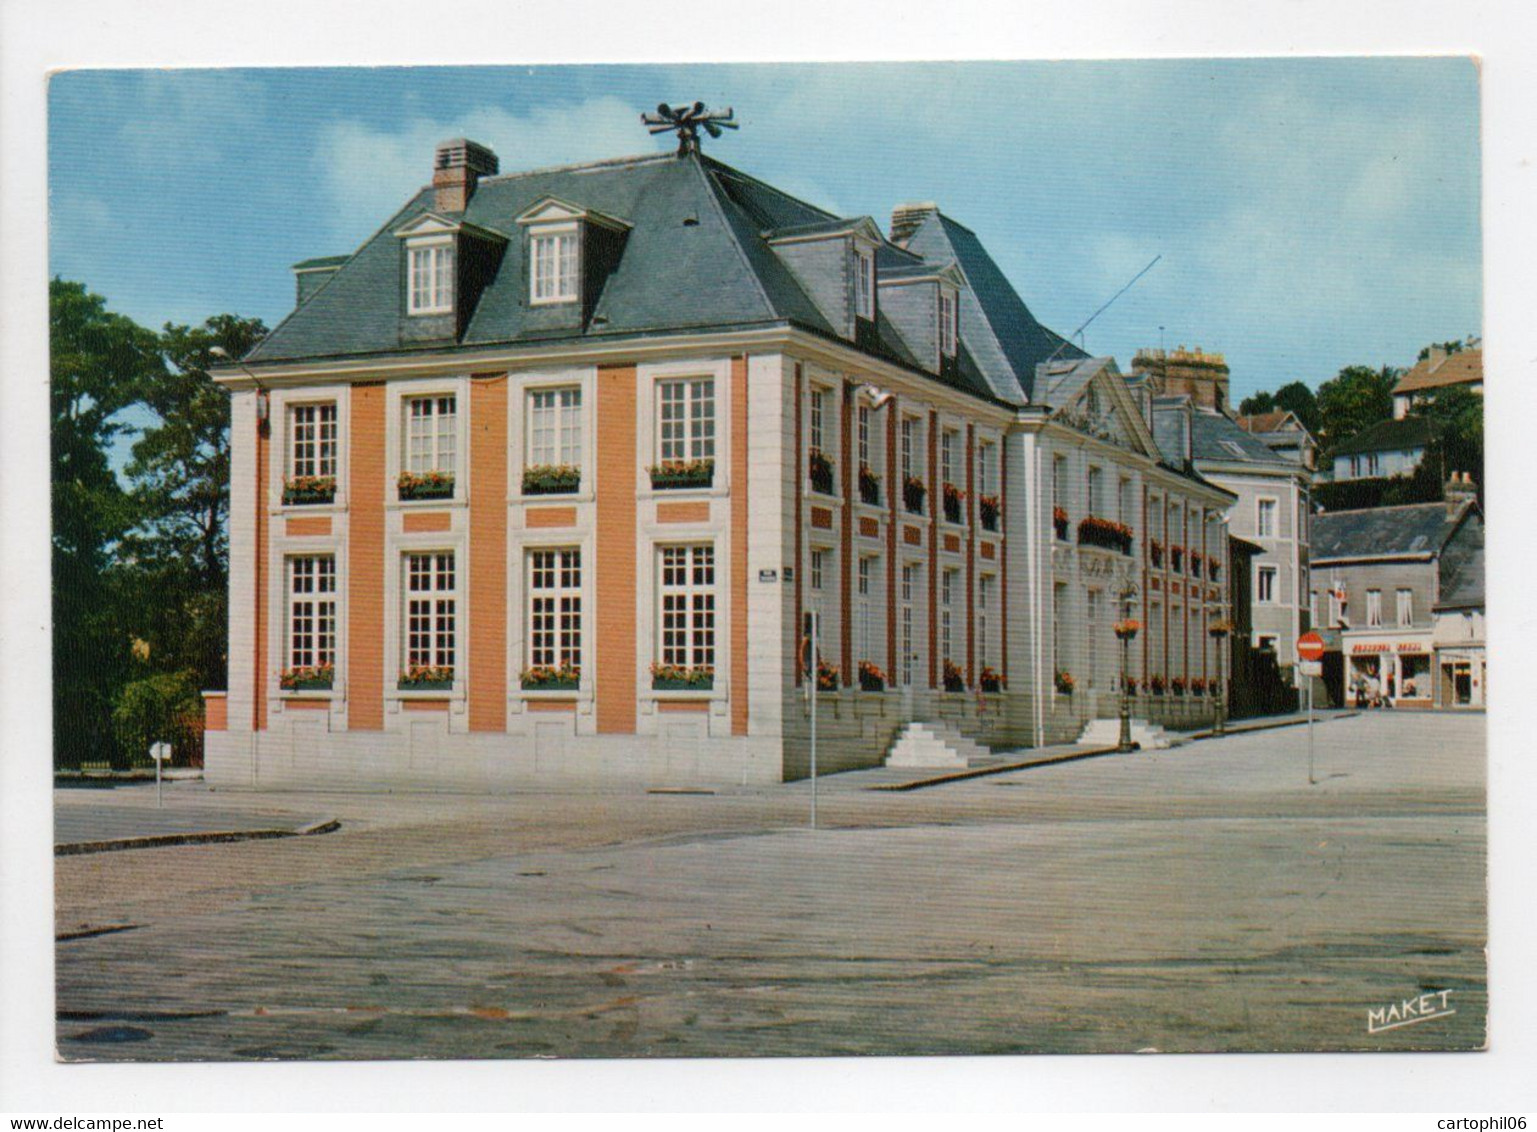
[[687, 120], [1068, 341]]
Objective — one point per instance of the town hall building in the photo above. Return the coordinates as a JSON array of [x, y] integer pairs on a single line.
[[540, 483]]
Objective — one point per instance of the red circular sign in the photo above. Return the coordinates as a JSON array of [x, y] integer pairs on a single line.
[[1310, 646]]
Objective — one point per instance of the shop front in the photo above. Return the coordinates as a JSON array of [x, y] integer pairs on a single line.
[[1389, 670], [1462, 678]]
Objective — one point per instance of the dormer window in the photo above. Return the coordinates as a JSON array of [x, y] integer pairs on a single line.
[[864, 284], [948, 323], [553, 266], [431, 281]]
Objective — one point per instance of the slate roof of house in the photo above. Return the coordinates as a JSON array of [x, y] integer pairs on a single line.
[[1214, 438], [1387, 436], [696, 258], [1006, 341], [1462, 570], [1415, 530], [1462, 368], [1265, 422]]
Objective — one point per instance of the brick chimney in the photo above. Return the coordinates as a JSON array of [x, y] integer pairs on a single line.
[[906, 219], [1459, 489], [456, 168], [1196, 374]]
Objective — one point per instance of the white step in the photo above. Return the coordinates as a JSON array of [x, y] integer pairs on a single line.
[[934, 745], [1107, 732]]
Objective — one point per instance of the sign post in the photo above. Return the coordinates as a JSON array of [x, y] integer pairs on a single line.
[[1310, 650], [159, 752]]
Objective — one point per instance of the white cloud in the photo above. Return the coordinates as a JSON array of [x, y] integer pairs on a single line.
[[365, 174]]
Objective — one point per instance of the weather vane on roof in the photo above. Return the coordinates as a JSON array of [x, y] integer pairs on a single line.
[[687, 119]]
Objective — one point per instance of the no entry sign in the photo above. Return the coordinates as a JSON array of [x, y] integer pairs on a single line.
[[1310, 646]]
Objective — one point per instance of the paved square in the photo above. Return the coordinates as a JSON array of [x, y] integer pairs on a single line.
[[1202, 898]]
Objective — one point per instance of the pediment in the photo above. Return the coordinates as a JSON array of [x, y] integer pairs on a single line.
[[553, 210]]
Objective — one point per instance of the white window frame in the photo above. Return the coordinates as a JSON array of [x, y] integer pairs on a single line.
[[863, 434], [553, 606], [438, 636], [1374, 609], [865, 591], [430, 270], [1261, 575], [948, 314], [949, 439], [815, 570], [325, 457], [947, 580], [816, 416], [909, 584], [692, 440], [987, 463], [311, 623], [554, 277], [985, 583], [442, 445], [1405, 598], [864, 282], [686, 587], [563, 422], [1260, 512]]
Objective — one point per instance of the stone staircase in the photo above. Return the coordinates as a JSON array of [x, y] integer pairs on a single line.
[[1147, 736], [938, 746]]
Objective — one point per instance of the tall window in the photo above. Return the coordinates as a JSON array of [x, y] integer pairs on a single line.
[[1313, 609], [312, 439], [555, 427], [552, 275], [909, 583], [1058, 612], [555, 608], [987, 468], [1123, 502], [1058, 480], [1374, 608], [1264, 585], [1265, 518], [867, 570], [864, 284], [431, 610], [948, 442], [1095, 498], [688, 606], [984, 618], [1405, 608], [816, 568], [687, 418], [909, 446], [818, 419], [430, 434], [946, 619], [312, 611], [431, 285], [1091, 631], [947, 323], [864, 436]]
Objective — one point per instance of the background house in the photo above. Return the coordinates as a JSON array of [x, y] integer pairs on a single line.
[[1440, 369]]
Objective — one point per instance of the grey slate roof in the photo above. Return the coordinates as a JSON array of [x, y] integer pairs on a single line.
[[1005, 340], [1462, 569], [1415, 530], [1217, 439], [696, 257], [1387, 436]]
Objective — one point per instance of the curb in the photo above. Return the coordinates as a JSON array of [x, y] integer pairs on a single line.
[[162, 840], [983, 771], [1209, 734]]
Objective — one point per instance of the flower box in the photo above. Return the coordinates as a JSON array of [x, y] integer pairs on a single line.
[[681, 678], [1157, 685], [551, 479], [991, 682], [1106, 534], [671, 475], [426, 485], [871, 678], [1155, 552], [1065, 683], [1177, 685], [426, 679], [988, 510], [299, 491], [1059, 522], [913, 493], [546, 678], [869, 486], [820, 469], [953, 496], [317, 679], [1127, 630], [954, 679]]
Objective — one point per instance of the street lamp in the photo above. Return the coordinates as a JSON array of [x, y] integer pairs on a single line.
[[1126, 631], [1219, 630]]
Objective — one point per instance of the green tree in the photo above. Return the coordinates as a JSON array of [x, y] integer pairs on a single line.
[[97, 362], [179, 546], [1297, 399], [1358, 397], [1260, 402], [1456, 416]]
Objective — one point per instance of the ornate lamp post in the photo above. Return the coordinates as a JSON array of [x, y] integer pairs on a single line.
[[1126, 631], [1219, 630]]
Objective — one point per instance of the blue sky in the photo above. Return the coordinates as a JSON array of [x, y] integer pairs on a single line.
[[1310, 213]]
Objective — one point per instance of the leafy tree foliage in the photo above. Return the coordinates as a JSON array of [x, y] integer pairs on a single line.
[[1262, 402], [1453, 347], [1456, 416], [1297, 399], [99, 360], [1358, 397]]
